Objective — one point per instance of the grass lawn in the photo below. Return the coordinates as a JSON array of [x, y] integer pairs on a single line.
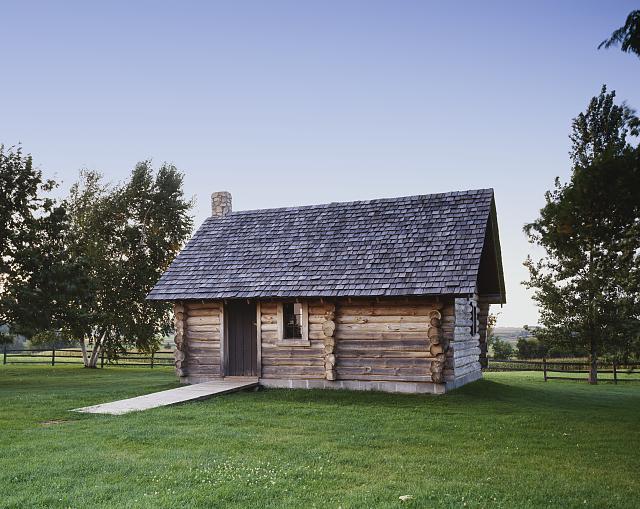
[[509, 440]]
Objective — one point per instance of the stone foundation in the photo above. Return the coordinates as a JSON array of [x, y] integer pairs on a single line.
[[356, 385]]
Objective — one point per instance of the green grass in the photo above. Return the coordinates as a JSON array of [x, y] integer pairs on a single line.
[[509, 440]]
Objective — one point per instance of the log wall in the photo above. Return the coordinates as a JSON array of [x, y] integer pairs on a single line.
[[280, 360], [396, 340], [463, 357], [198, 327], [399, 340]]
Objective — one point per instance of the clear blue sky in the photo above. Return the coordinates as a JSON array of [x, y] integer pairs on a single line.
[[290, 103]]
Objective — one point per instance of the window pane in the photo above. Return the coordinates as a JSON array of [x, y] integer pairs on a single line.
[[474, 318], [292, 315]]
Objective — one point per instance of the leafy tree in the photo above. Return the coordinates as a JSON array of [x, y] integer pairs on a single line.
[[502, 349], [128, 234], [627, 36], [588, 284], [42, 284], [601, 132], [490, 339], [491, 326], [21, 186], [46, 297], [499, 348], [21, 189], [531, 348]]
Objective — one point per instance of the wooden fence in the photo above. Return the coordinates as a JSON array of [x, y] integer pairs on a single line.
[[565, 370], [551, 369], [53, 356]]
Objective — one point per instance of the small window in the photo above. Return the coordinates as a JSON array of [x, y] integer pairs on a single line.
[[293, 324], [292, 315]]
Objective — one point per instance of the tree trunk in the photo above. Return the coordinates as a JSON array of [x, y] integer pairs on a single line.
[[85, 357], [95, 354], [591, 320], [593, 366]]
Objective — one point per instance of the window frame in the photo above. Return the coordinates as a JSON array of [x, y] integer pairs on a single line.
[[304, 329], [474, 319]]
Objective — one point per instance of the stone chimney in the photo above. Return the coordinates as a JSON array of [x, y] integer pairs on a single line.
[[220, 203]]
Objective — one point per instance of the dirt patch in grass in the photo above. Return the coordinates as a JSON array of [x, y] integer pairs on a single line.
[[53, 422]]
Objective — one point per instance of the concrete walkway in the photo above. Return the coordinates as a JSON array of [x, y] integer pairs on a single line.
[[171, 397]]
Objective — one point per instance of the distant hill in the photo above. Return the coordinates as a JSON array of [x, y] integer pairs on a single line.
[[511, 334]]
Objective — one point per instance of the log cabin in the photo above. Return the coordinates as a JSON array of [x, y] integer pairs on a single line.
[[389, 294]]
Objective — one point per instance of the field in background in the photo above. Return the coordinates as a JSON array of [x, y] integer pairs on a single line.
[[511, 334], [510, 440]]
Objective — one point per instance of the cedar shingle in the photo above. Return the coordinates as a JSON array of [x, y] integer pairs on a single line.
[[415, 245]]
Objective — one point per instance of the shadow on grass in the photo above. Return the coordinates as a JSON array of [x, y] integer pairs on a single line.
[[518, 394]]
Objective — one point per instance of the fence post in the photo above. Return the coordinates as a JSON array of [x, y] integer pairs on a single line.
[[102, 359], [53, 356], [544, 367], [615, 373], [152, 354], [4, 356]]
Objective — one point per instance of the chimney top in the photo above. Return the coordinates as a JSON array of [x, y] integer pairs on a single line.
[[220, 203]]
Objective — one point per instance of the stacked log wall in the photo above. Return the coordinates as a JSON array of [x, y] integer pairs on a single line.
[[448, 329], [198, 326], [180, 353], [463, 357], [395, 340], [294, 362], [423, 340]]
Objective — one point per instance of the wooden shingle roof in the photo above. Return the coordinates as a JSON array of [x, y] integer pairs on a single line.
[[415, 245]]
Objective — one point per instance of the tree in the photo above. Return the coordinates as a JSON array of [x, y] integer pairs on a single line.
[[627, 36], [587, 285], [491, 327], [20, 185], [490, 338], [42, 284], [531, 348], [601, 132], [46, 297], [502, 349], [21, 189], [128, 234]]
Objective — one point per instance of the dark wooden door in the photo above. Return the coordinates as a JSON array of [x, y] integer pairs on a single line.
[[242, 336]]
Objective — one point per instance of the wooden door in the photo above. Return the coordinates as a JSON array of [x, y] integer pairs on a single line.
[[242, 337]]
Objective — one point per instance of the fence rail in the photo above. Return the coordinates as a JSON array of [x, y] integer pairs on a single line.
[[556, 370], [53, 356], [551, 369]]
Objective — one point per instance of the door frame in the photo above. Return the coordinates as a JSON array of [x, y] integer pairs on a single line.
[[258, 340], [224, 340]]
